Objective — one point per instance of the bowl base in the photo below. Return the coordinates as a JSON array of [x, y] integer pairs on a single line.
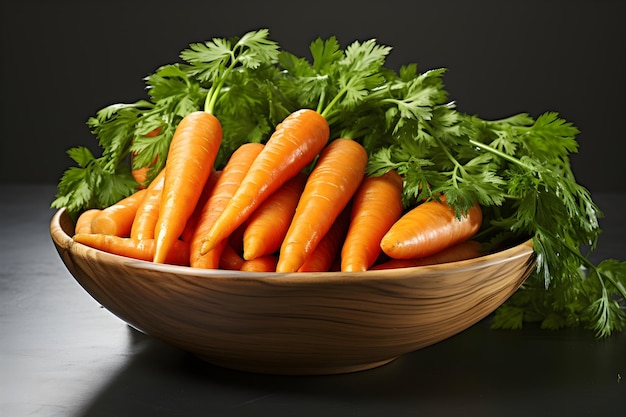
[[261, 368]]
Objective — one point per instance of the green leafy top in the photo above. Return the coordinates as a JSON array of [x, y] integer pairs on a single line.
[[336, 83], [213, 61]]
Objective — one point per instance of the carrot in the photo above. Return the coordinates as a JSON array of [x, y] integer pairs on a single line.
[[232, 254], [268, 224], [223, 190], [265, 263], [462, 251], [327, 251], [133, 248], [148, 210], [190, 160], [83, 223], [209, 260], [429, 228], [230, 259], [330, 186], [295, 143], [192, 222], [376, 206], [117, 219]]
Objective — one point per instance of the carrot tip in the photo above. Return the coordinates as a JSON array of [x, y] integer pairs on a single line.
[[206, 247], [252, 249]]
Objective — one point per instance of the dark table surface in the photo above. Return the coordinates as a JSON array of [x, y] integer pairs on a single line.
[[62, 354]]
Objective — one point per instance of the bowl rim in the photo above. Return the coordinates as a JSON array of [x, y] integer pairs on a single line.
[[64, 240]]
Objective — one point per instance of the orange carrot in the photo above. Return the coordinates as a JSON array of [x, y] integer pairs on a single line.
[[192, 222], [117, 219], [462, 251], [376, 206], [83, 223], [230, 259], [148, 210], [223, 190], [429, 228], [134, 248], [330, 186], [265, 263], [295, 143], [189, 164], [327, 251], [268, 224]]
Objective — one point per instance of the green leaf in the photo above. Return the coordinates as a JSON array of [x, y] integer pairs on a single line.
[[325, 54], [508, 318], [90, 185], [214, 61]]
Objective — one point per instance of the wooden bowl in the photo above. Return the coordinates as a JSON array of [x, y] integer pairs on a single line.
[[297, 323]]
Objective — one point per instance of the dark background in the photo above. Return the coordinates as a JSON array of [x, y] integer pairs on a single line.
[[61, 61]]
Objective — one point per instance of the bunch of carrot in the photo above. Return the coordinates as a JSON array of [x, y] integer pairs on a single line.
[[298, 202], [263, 211]]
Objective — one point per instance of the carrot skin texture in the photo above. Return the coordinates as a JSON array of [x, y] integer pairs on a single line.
[[134, 248], [148, 210], [429, 228], [230, 259], [209, 260], [222, 192], [327, 251], [189, 164], [465, 250], [268, 224], [295, 143], [117, 219], [83, 223], [192, 222], [329, 188], [376, 206], [265, 263]]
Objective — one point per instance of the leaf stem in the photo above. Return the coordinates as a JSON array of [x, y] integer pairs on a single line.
[[326, 111], [500, 154], [588, 264], [320, 103], [213, 95]]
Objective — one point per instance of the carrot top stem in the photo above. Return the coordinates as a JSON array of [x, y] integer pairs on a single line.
[[212, 96], [337, 81], [327, 110], [216, 59]]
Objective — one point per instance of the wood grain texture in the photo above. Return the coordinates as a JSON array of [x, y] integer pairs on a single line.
[[295, 323]]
